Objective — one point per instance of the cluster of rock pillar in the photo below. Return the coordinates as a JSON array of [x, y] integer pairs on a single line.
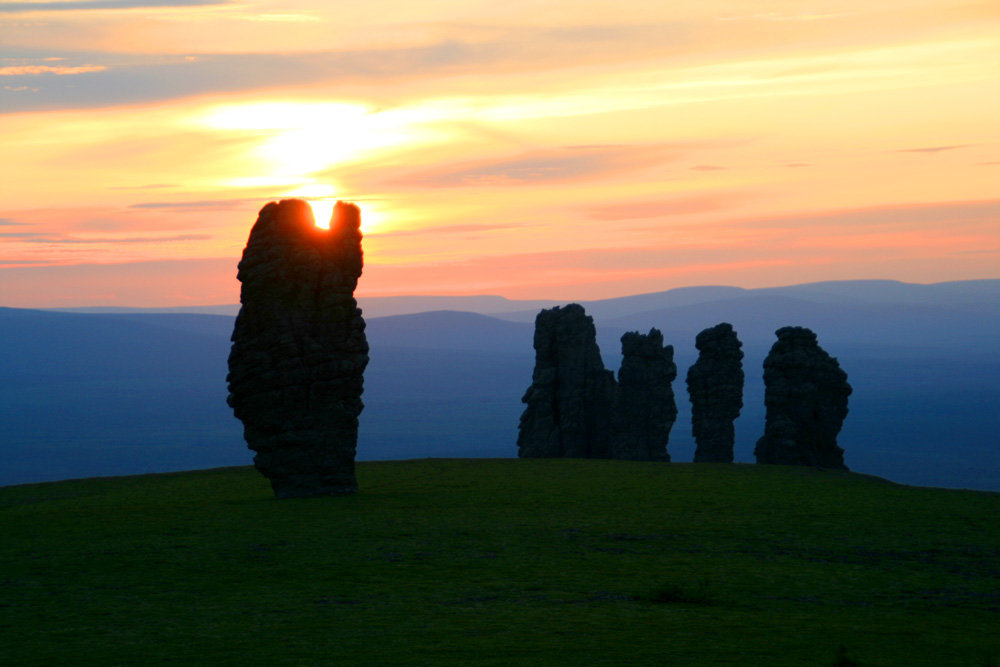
[[575, 408], [299, 349], [299, 353]]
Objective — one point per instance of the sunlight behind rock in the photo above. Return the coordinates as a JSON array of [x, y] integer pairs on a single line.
[[322, 211]]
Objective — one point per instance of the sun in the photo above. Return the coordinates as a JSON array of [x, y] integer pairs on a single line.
[[322, 198], [322, 211]]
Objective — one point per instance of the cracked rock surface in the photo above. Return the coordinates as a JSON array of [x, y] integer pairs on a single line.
[[715, 385], [805, 394], [647, 409], [571, 399], [299, 350], [575, 407]]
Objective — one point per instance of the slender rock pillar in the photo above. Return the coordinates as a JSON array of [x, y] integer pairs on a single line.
[[715, 385], [647, 409]]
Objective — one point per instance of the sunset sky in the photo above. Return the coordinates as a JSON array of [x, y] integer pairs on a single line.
[[565, 150]]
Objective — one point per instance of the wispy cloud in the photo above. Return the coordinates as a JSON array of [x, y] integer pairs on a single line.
[[685, 48], [933, 149], [659, 208], [137, 78], [39, 237], [560, 164], [980, 251], [84, 5], [202, 205], [446, 230], [151, 186], [10, 222], [152, 283], [783, 17], [939, 214], [59, 70]]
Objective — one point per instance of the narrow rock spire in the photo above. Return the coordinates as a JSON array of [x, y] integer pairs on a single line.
[[715, 385], [647, 409]]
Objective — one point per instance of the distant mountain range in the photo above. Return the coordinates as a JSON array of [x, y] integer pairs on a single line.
[[89, 392]]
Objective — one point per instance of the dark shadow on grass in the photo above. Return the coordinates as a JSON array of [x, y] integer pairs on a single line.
[[680, 593]]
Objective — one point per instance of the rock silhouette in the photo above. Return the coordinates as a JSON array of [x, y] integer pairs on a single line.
[[715, 385], [299, 350], [570, 402], [806, 400], [575, 408], [646, 406]]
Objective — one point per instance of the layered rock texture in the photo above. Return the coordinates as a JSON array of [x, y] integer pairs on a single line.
[[575, 408], [299, 350], [715, 385], [570, 402], [806, 399], [646, 406]]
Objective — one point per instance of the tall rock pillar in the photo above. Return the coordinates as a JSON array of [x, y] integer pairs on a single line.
[[805, 393], [299, 349], [715, 385], [646, 406], [569, 405]]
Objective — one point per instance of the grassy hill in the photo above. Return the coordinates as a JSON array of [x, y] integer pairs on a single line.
[[502, 562]]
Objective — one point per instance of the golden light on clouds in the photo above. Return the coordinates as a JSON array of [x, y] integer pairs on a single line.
[[493, 148], [293, 140]]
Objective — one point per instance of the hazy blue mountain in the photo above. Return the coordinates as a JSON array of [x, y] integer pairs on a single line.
[[450, 330], [606, 309], [225, 309], [893, 291], [843, 291], [384, 306], [139, 391], [377, 306], [84, 395], [757, 316]]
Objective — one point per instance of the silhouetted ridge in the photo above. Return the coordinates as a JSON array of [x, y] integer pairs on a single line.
[[299, 350]]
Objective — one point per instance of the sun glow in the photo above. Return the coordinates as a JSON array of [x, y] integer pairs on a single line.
[[322, 211], [295, 140], [322, 198]]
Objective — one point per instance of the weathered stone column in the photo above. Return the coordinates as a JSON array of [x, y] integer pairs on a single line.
[[299, 349], [569, 405], [805, 393], [647, 409], [715, 385]]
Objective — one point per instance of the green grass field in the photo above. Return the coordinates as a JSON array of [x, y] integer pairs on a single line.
[[502, 562]]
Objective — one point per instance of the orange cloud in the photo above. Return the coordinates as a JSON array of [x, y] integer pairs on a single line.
[[34, 70], [566, 163]]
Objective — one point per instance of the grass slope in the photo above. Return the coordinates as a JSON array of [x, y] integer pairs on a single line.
[[502, 562]]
